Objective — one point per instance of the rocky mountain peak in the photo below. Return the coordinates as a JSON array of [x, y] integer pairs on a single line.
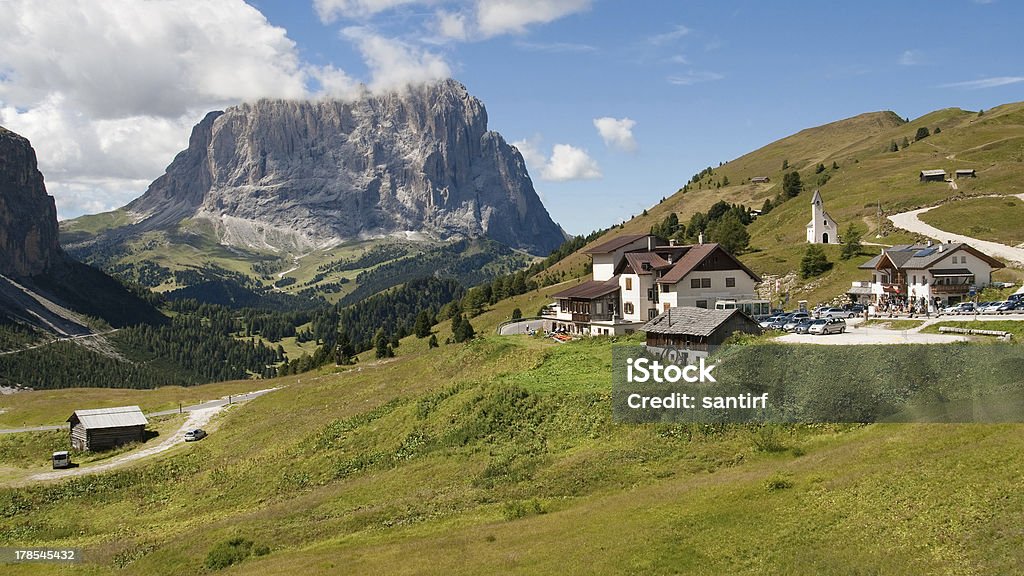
[[300, 175], [28, 216]]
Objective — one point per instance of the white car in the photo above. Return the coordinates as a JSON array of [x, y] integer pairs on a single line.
[[992, 308], [962, 308], [829, 326], [836, 313]]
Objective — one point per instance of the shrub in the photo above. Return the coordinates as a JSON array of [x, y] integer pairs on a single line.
[[233, 551]]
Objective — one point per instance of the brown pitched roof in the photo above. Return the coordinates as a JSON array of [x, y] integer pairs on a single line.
[[615, 243], [693, 258], [636, 261], [691, 321], [590, 289]]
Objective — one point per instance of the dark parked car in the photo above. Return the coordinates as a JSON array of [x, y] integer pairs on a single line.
[[802, 327]]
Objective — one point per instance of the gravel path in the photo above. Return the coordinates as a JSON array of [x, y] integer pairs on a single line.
[[910, 221]]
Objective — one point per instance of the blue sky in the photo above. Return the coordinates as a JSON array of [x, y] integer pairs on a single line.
[[682, 85]]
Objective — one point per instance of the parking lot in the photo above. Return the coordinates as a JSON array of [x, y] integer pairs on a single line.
[[858, 334]]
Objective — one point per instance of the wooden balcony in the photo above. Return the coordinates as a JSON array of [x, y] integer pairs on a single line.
[[950, 288]]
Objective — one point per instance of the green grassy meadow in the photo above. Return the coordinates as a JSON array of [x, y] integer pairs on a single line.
[[993, 219], [500, 456]]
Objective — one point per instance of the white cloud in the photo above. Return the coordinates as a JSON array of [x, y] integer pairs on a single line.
[[994, 82], [616, 133], [556, 47], [570, 163], [108, 92], [677, 32], [567, 162], [332, 10], [911, 58], [530, 149], [694, 77], [452, 25], [393, 63], [495, 17]]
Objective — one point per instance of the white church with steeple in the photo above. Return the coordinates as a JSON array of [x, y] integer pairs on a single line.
[[822, 229]]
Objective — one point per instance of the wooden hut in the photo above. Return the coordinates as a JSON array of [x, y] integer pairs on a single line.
[[105, 428], [697, 328]]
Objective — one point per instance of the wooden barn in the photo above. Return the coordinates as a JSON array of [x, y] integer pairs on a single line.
[[933, 176], [690, 328], [105, 428]]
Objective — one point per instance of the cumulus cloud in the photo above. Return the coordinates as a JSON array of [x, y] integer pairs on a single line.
[[567, 162], [108, 92], [394, 63], [496, 17], [452, 25], [616, 133]]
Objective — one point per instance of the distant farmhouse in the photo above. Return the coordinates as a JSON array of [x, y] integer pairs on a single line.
[[965, 173], [933, 274], [696, 328], [105, 428], [637, 276], [760, 180], [933, 175], [822, 229]]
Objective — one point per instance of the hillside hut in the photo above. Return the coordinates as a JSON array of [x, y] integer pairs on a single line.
[[933, 175], [760, 180], [966, 173], [690, 328], [105, 428]]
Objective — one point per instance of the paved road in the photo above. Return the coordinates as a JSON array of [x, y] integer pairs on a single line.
[[523, 327], [910, 221], [219, 403]]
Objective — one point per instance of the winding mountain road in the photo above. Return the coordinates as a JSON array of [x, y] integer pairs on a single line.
[[911, 222]]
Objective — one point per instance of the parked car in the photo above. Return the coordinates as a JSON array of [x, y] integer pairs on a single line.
[[991, 308], [61, 459], [961, 308], [802, 327], [1006, 307], [827, 326], [779, 322], [794, 320], [836, 313], [766, 322], [193, 435], [857, 309]]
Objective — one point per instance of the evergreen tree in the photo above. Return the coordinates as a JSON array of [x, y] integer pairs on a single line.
[[814, 262], [432, 343], [517, 314], [462, 330], [835, 165], [922, 133], [381, 343], [730, 232], [851, 242], [785, 164], [767, 206], [422, 326], [791, 185], [819, 169], [906, 142], [937, 130]]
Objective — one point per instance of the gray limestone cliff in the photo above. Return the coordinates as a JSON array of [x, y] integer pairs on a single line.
[[297, 175], [28, 217]]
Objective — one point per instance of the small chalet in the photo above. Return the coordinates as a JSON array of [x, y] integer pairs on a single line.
[[933, 175], [965, 173], [105, 428], [697, 328], [760, 180]]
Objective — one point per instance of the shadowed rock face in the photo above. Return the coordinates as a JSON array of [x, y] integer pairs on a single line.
[[300, 175], [28, 217]]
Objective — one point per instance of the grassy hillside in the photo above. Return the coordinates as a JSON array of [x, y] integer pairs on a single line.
[[868, 176], [500, 456], [995, 219]]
